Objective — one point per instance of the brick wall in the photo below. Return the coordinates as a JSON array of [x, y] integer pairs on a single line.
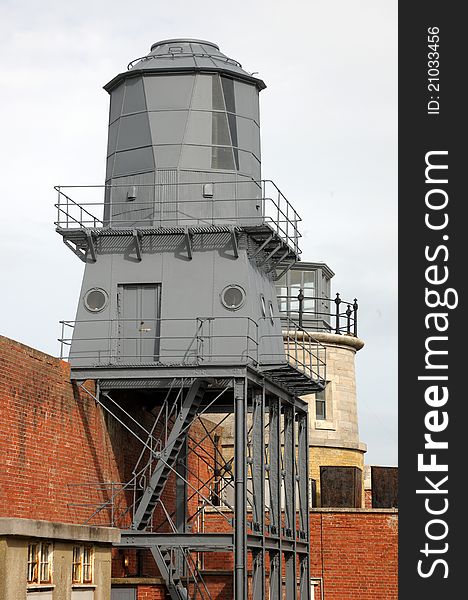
[[356, 553], [52, 437]]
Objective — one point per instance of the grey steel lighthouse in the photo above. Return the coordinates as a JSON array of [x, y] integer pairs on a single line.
[[182, 247]]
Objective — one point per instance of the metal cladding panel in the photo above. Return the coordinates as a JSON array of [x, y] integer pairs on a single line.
[[168, 126], [169, 92], [249, 136], [249, 165], [134, 132], [247, 101], [197, 158], [116, 101], [168, 156], [141, 211], [112, 138], [139, 160], [384, 487], [199, 128], [202, 93], [341, 487], [134, 98]]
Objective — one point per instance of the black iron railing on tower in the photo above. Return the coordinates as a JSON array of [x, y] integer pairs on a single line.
[[314, 313]]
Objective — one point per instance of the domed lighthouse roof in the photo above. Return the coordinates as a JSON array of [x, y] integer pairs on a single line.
[[185, 54]]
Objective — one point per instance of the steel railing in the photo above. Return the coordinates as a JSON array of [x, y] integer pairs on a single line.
[[317, 313], [186, 341], [270, 207], [302, 351], [173, 55], [198, 341]]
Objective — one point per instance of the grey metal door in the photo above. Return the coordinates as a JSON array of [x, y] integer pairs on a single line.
[[139, 323], [123, 594]]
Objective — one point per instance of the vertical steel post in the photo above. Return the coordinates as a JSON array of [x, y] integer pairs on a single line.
[[355, 307], [349, 312], [290, 498], [288, 467], [257, 463], [240, 486], [258, 490], [181, 503], [337, 313], [303, 476], [290, 573], [274, 478], [300, 297], [276, 579], [304, 524]]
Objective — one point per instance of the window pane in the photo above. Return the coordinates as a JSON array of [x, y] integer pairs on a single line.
[[228, 89], [320, 410], [282, 280], [295, 278], [32, 562], [220, 132], [87, 565], [76, 566], [320, 405], [218, 102], [44, 574]]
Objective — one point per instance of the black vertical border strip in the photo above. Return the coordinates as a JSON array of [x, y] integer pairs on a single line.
[[419, 133]]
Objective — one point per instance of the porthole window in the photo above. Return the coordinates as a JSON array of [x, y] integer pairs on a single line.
[[95, 299], [233, 297], [262, 299], [272, 313]]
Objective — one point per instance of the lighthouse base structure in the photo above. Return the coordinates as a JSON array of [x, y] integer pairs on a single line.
[[255, 507]]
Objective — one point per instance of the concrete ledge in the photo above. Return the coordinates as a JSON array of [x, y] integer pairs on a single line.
[[339, 445], [58, 531], [338, 340], [333, 339]]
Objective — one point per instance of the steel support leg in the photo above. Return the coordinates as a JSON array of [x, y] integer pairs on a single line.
[[240, 512], [274, 477], [258, 463], [289, 473], [274, 473], [304, 500], [290, 498], [290, 573], [276, 577], [181, 502]]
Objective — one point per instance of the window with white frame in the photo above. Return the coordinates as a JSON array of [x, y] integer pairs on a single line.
[[82, 565], [39, 562]]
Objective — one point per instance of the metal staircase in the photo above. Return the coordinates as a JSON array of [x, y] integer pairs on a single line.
[[168, 456], [170, 574]]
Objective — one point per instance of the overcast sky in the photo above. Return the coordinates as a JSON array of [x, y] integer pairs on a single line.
[[329, 134]]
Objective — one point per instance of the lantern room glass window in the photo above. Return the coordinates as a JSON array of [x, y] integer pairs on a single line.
[[314, 281]]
